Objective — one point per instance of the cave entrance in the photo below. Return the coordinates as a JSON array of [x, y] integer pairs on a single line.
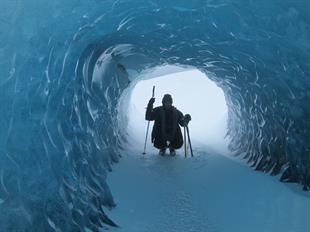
[[193, 92]]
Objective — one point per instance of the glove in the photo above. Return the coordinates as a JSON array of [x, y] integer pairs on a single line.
[[151, 101], [187, 118]]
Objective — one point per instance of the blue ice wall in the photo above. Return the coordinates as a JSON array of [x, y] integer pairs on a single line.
[[64, 65]]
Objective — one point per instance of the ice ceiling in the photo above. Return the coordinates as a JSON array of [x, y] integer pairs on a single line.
[[64, 65]]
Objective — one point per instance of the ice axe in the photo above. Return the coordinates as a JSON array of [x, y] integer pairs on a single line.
[[148, 125]]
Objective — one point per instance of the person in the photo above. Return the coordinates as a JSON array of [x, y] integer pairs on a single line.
[[166, 131]]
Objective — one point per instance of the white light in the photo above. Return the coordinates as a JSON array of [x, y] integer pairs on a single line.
[[192, 93]]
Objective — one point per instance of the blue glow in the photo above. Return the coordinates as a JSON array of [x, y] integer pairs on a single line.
[[64, 66]]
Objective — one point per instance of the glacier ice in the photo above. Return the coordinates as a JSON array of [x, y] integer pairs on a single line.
[[64, 65]]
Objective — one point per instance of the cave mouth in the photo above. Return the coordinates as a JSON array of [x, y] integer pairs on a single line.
[[193, 93]]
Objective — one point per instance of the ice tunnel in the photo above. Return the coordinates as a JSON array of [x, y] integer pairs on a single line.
[[64, 66], [191, 91]]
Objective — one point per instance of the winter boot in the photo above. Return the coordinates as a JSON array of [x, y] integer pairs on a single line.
[[172, 151], [162, 151]]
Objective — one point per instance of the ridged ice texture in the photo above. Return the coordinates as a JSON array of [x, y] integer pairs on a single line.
[[64, 64]]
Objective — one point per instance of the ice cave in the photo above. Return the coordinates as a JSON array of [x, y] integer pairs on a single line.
[[65, 67]]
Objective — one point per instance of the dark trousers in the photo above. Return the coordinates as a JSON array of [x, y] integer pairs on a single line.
[[176, 143]]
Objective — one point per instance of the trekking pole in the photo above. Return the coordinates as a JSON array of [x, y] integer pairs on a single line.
[[189, 141], [148, 125], [185, 150]]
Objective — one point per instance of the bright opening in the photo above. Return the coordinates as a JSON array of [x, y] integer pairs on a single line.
[[192, 93]]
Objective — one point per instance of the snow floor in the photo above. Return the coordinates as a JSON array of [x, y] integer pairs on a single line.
[[206, 193]]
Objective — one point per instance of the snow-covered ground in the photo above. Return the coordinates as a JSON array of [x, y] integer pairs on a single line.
[[208, 192]]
